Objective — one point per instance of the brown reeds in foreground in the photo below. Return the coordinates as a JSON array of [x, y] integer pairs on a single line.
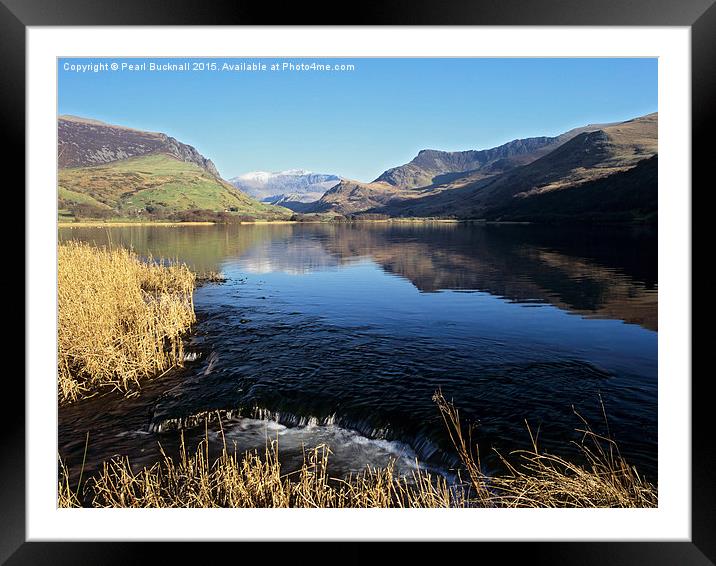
[[540, 479], [119, 318], [533, 479], [251, 480], [66, 496]]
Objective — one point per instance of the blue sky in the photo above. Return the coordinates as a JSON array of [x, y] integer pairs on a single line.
[[358, 123]]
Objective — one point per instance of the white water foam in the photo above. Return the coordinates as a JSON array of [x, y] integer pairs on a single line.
[[350, 452]]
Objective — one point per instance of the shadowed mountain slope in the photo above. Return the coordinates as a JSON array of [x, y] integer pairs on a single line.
[[433, 167], [625, 196], [589, 156], [349, 197]]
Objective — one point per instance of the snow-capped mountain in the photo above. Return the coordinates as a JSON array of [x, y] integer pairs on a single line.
[[294, 185]]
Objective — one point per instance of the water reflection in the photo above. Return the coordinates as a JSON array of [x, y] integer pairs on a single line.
[[607, 272]]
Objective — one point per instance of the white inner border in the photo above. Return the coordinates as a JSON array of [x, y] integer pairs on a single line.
[[671, 521]]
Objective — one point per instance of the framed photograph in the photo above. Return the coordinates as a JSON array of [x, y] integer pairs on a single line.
[[423, 277]]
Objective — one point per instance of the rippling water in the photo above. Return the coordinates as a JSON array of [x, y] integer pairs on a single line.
[[340, 334]]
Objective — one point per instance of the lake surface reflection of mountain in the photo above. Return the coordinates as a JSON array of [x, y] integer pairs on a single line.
[[350, 328]]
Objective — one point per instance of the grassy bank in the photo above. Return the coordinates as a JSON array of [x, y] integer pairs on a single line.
[[125, 223], [532, 479], [120, 318]]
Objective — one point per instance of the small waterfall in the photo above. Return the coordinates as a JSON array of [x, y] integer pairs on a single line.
[[424, 447]]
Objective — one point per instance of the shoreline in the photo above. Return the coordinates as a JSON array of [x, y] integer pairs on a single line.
[[124, 224], [100, 224]]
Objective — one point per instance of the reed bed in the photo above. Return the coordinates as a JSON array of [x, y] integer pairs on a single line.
[[251, 480], [120, 318], [66, 496], [532, 479]]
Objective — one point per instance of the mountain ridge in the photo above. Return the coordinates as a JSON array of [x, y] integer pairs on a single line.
[[350, 196], [429, 164], [109, 170], [561, 162], [85, 142], [292, 188]]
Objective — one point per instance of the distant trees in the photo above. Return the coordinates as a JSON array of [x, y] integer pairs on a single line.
[[370, 216], [361, 216], [298, 217]]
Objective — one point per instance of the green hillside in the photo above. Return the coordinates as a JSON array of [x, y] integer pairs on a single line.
[[154, 186]]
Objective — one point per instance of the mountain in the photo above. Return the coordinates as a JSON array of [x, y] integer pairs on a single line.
[[290, 187], [154, 187], [113, 171], [82, 142], [349, 197], [588, 156], [600, 172], [407, 190], [431, 166], [292, 201]]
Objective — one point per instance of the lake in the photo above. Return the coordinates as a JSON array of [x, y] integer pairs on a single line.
[[341, 333]]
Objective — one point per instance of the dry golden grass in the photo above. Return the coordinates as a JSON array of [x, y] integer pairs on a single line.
[[534, 480], [254, 481], [119, 318], [540, 479], [66, 496]]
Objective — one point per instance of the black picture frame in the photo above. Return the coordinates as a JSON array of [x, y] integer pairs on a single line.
[[699, 15]]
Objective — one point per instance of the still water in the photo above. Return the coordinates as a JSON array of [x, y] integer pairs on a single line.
[[340, 334]]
